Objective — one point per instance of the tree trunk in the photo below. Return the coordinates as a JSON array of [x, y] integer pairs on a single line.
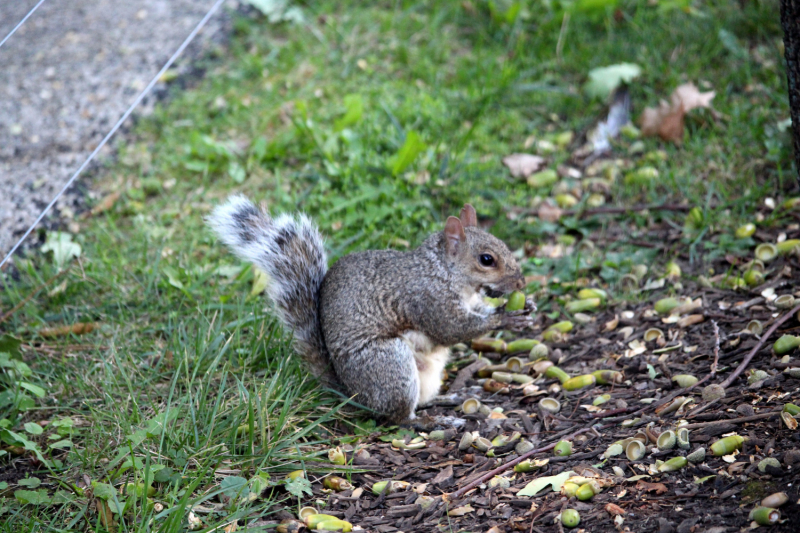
[[790, 21]]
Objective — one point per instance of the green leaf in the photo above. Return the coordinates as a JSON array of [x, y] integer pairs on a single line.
[[34, 497], [104, 491], [30, 482], [233, 486], [651, 371], [35, 389], [10, 344], [355, 111], [603, 80], [298, 486], [60, 243], [700, 481], [33, 428], [411, 148], [173, 277], [3, 485], [60, 445], [539, 484], [236, 172]]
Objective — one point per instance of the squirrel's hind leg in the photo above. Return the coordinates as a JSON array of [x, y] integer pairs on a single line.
[[387, 379]]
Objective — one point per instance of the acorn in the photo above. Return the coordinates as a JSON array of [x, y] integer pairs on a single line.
[[502, 377], [556, 373], [296, 474], [765, 516], [746, 230], [752, 278], [312, 519], [784, 301], [579, 382], [499, 482], [585, 492], [766, 462], [538, 351], [502, 440], [528, 465], [785, 344], [613, 450], [523, 447], [697, 456], [466, 441], [713, 392], [543, 178], [585, 294], [470, 406], [635, 450], [787, 246], [336, 483], [516, 301], [521, 345], [775, 500], [685, 380], [606, 377], [551, 405], [754, 327], [334, 525], [580, 306], [666, 441], [336, 456], [565, 200], [641, 176], [756, 376], [570, 518], [672, 270], [482, 444], [676, 463], [393, 486], [766, 252], [522, 379], [493, 386], [600, 400], [290, 525], [652, 334], [552, 335], [682, 436], [563, 448], [791, 408], [629, 423], [569, 489], [727, 445], [665, 305], [670, 407], [488, 344], [565, 326]]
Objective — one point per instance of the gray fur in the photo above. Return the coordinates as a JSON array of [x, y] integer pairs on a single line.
[[381, 313]]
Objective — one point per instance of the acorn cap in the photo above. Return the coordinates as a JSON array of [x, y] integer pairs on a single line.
[[635, 450], [666, 441], [697, 456]]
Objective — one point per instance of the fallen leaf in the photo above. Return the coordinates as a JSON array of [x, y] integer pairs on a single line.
[[523, 165], [603, 80], [78, 329], [549, 213], [460, 511], [539, 484], [667, 120], [659, 488], [614, 509]]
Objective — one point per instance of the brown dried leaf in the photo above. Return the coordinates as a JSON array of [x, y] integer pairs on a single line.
[[549, 213], [667, 121], [614, 509], [523, 165], [690, 97], [78, 329], [659, 488], [460, 511]]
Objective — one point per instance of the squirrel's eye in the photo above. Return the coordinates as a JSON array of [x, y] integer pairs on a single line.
[[486, 260]]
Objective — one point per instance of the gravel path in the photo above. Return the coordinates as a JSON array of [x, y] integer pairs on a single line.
[[66, 77]]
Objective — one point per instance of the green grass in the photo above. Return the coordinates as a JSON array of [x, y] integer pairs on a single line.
[[379, 120]]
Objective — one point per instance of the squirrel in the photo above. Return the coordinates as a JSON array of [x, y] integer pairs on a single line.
[[378, 325]]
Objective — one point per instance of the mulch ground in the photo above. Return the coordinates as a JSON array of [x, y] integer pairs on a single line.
[[663, 502]]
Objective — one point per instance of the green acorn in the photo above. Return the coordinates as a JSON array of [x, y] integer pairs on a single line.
[[556, 373], [570, 518], [765, 516], [569, 489], [606, 377], [787, 246], [665, 305], [746, 230], [521, 345], [580, 306], [676, 463], [785, 344], [516, 302], [727, 445], [543, 178], [585, 492], [579, 382], [564, 447]]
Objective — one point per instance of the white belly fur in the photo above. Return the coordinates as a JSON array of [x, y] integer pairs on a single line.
[[431, 360]]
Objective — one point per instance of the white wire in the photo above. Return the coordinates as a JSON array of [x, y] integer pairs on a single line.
[[21, 22], [114, 129]]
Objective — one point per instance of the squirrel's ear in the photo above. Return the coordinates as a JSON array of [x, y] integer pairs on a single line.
[[454, 235], [469, 218]]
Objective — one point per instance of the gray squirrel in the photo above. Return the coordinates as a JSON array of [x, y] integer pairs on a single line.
[[378, 325]]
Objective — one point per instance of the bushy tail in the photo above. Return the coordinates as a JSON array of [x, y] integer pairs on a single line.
[[290, 250]]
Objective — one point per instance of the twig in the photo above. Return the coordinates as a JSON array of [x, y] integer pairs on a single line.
[[5, 316], [759, 344], [511, 464], [739, 420], [465, 373], [669, 398], [716, 349]]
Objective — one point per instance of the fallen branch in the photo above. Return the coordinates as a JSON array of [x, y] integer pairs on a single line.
[[746, 361], [739, 420], [466, 373]]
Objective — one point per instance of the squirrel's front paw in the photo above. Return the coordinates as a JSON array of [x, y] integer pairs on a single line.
[[530, 305], [516, 321]]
